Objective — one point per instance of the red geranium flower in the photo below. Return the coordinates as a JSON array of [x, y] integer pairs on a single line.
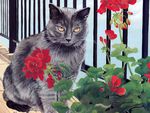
[[111, 34], [148, 65], [35, 64], [50, 81], [102, 40], [42, 54], [148, 77], [114, 85], [33, 68], [101, 89], [114, 5], [59, 75]]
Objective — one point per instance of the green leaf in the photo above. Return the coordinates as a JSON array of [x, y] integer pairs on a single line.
[[60, 107], [95, 72], [104, 49], [126, 59], [109, 66], [63, 85], [136, 78], [84, 81], [76, 107], [133, 87], [131, 50], [119, 46], [66, 96]]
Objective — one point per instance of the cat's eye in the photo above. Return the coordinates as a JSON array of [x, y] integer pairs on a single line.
[[76, 30], [61, 29]]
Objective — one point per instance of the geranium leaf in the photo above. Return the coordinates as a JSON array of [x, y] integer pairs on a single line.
[[63, 85], [60, 107], [126, 59], [129, 50]]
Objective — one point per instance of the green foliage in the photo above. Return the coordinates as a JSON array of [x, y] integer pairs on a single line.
[[60, 107], [63, 85]]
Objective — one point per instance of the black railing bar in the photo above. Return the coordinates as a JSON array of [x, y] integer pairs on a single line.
[[145, 28], [51, 1], [95, 34], [29, 29], [21, 19], [4, 22], [34, 15], [108, 27], [84, 3], [6, 17], [65, 3], [5, 36], [84, 67], [44, 14], [75, 4], [39, 16], [25, 18], [3, 16], [125, 40], [17, 19], [58, 3]]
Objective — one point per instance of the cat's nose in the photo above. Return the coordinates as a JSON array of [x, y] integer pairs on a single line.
[[68, 40]]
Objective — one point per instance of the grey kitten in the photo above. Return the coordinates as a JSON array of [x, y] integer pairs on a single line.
[[65, 36]]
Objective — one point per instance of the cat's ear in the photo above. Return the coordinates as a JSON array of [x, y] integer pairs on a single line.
[[83, 13], [55, 12]]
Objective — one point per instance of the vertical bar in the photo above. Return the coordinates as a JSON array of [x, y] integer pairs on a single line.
[[13, 23], [6, 18], [34, 21], [44, 14], [2, 16], [51, 1], [145, 28], [108, 26], [95, 34], [58, 3], [25, 19], [65, 3], [84, 3], [75, 4], [17, 21], [39, 16], [29, 18], [21, 19], [125, 39]]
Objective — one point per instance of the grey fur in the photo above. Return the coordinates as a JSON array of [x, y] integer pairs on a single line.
[[36, 93]]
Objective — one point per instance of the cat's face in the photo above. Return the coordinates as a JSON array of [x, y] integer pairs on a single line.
[[67, 26]]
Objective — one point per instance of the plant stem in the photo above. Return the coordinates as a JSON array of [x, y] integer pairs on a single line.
[[129, 69], [121, 39]]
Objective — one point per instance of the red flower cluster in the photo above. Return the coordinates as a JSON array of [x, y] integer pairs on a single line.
[[114, 5], [148, 77], [104, 41], [50, 81], [148, 65], [114, 85], [111, 34], [36, 63]]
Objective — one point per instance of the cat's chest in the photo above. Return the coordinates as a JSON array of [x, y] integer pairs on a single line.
[[70, 57]]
